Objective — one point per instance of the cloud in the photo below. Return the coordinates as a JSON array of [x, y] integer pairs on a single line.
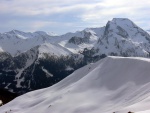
[[71, 14], [26, 7], [137, 11]]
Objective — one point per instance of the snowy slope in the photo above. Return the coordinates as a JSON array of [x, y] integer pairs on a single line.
[[114, 84], [52, 49]]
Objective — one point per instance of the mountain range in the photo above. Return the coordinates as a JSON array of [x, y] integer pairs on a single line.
[[30, 61]]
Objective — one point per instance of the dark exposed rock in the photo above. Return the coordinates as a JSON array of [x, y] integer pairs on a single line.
[[6, 96]]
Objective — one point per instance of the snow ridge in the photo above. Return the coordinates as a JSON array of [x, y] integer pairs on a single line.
[[93, 89]]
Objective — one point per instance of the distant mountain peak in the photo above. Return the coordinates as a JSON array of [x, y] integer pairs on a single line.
[[121, 19], [12, 31], [123, 22], [41, 32], [52, 34]]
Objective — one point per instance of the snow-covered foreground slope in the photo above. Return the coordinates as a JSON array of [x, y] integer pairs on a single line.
[[113, 84]]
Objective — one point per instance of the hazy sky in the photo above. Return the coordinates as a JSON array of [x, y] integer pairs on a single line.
[[61, 16]]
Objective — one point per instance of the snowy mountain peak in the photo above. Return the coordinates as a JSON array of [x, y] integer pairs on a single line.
[[123, 22], [40, 33], [52, 34], [15, 32], [12, 31], [122, 37], [121, 19], [123, 25], [45, 33], [26, 35]]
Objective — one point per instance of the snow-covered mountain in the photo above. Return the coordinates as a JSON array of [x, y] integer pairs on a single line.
[[93, 89], [30, 61], [16, 42], [122, 37]]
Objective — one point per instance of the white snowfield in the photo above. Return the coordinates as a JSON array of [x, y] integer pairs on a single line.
[[113, 84]]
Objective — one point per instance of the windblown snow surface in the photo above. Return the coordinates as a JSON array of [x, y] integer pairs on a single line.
[[113, 84]]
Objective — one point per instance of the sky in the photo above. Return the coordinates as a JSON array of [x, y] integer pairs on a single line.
[[61, 16]]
